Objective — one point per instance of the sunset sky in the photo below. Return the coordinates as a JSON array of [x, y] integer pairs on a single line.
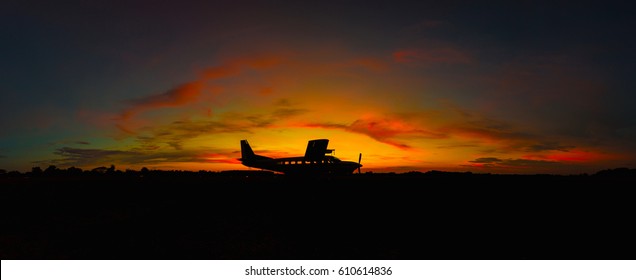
[[412, 85]]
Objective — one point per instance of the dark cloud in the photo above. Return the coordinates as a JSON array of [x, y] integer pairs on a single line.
[[68, 156], [549, 146], [66, 142], [528, 162], [260, 120], [283, 102], [486, 130], [87, 153], [492, 162], [506, 136], [83, 157], [285, 113], [178, 132], [394, 168], [457, 146], [486, 160], [177, 145]]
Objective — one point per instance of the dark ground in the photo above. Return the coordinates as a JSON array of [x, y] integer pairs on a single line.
[[435, 215]]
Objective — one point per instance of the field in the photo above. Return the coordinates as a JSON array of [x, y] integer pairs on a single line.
[[433, 215]]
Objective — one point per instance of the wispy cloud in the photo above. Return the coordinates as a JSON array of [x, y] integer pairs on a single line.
[[68, 156], [202, 89], [236, 66], [549, 146], [492, 162], [455, 146], [177, 133], [388, 129], [69, 142], [180, 95], [86, 157]]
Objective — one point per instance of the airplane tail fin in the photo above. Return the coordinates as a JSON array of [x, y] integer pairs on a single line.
[[246, 151], [316, 149], [248, 155]]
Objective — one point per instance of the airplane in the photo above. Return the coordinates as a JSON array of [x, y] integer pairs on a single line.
[[317, 160]]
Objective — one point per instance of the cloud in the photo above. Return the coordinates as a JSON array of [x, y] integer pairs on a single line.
[[549, 146], [234, 67], [486, 160], [176, 133], [493, 162], [193, 91], [87, 153], [432, 55], [455, 146], [285, 113], [95, 157], [385, 129], [180, 95], [477, 127], [66, 142], [85, 157], [285, 109], [388, 130], [546, 89], [219, 158]]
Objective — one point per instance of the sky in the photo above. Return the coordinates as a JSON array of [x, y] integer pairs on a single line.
[[509, 87]]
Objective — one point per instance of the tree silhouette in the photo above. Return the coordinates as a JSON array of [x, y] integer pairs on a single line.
[[36, 171]]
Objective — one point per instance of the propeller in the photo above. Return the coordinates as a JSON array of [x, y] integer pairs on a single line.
[[359, 165]]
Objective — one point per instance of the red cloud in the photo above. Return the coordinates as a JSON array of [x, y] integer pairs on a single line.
[[385, 130], [178, 96], [573, 156], [189, 92], [218, 158]]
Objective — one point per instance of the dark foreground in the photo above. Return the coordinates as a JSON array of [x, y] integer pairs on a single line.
[[369, 216]]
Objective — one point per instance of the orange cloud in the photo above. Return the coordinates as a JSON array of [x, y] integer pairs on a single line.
[[387, 130], [219, 158]]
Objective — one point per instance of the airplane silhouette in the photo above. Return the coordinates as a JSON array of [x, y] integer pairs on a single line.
[[317, 160]]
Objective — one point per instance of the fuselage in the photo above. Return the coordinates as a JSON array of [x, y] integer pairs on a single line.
[[299, 165]]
